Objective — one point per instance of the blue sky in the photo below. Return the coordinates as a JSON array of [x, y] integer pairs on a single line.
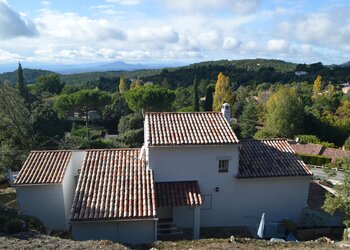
[[155, 31]]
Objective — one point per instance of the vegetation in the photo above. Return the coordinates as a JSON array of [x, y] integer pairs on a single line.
[[340, 202], [266, 97], [317, 160]]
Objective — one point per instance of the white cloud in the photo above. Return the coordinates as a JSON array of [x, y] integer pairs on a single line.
[[193, 6], [7, 56], [12, 24], [278, 46], [154, 35], [124, 2], [76, 27], [230, 43]]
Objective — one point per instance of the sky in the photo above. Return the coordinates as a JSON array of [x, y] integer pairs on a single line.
[[156, 31]]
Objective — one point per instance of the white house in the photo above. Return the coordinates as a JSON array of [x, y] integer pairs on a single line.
[[192, 172], [45, 186]]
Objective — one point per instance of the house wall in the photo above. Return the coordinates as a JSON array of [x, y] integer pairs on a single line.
[[133, 232], [69, 181], [228, 201], [45, 202]]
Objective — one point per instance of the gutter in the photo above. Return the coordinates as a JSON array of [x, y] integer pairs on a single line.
[[104, 221]]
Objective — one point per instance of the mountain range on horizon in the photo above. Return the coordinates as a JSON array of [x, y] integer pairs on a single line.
[[87, 67]]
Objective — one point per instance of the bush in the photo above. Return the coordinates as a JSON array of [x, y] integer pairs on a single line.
[[14, 226], [33, 223], [315, 140], [317, 160], [3, 220]]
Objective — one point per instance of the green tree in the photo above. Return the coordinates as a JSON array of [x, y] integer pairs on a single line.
[[285, 114], [347, 143], [130, 130], [82, 101], [247, 121], [208, 104], [195, 95], [21, 86], [183, 98], [223, 92], [16, 129], [340, 202], [123, 86], [50, 83], [150, 98]]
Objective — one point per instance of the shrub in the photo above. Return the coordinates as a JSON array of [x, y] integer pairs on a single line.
[[3, 220], [315, 140], [14, 226], [317, 160], [33, 223]]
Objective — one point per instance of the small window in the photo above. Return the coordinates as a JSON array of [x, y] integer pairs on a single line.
[[223, 166]]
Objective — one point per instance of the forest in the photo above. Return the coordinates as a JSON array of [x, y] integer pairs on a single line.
[[44, 110]]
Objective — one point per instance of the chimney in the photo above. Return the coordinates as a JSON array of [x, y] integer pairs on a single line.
[[226, 112]]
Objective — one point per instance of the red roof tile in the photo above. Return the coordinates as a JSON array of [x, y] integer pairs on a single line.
[[193, 128], [269, 158], [335, 153], [308, 148], [44, 167], [114, 184], [178, 193]]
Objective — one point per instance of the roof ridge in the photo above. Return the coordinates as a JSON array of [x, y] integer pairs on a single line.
[[112, 149], [190, 112]]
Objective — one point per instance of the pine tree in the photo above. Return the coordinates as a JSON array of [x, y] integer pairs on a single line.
[[21, 86], [223, 92], [195, 93], [122, 85], [247, 121]]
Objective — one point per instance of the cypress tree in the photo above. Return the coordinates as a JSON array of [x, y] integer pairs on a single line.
[[21, 86], [195, 93], [247, 121], [208, 104]]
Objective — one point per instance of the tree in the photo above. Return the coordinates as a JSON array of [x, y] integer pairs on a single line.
[[82, 101], [317, 86], [223, 92], [195, 94], [50, 83], [347, 143], [340, 202], [16, 129], [247, 121], [150, 98], [21, 86], [123, 87], [130, 130], [114, 111], [285, 114], [183, 98], [136, 83], [208, 104]]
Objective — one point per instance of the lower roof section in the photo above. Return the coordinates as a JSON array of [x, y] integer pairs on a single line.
[[269, 158], [178, 193], [114, 185]]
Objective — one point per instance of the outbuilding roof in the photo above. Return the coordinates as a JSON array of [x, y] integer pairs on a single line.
[[114, 184], [178, 193], [269, 158], [188, 128], [44, 167]]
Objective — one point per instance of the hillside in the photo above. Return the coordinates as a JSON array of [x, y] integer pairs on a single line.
[[29, 75]]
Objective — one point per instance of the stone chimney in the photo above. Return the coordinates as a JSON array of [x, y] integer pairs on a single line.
[[226, 111]]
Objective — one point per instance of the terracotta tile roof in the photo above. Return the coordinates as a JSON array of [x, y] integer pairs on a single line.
[[335, 153], [178, 193], [114, 184], [309, 148], [269, 158], [192, 128], [44, 167]]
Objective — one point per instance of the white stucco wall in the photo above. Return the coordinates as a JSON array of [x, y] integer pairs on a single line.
[[237, 202], [133, 232], [69, 181], [45, 202]]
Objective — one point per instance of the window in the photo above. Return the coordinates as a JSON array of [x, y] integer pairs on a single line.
[[223, 166]]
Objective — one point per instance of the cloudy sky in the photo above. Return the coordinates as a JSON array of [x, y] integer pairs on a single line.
[[84, 31]]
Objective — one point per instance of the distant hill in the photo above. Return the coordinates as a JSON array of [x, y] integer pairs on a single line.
[[30, 75]]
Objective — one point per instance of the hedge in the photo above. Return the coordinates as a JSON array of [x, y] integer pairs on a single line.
[[317, 160]]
